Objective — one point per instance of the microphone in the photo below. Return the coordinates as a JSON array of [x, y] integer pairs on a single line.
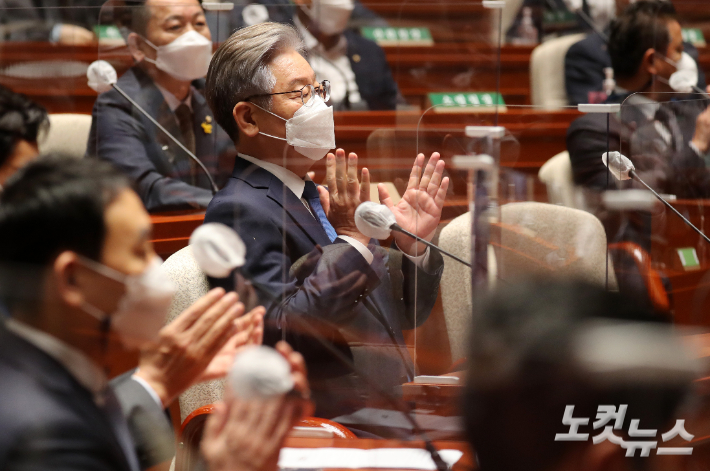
[[217, 249], [622, 168], [211, 238], [377, 221], [259, 372], [102, 78]]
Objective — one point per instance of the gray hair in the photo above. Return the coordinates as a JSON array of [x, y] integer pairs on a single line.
[[241, 68]]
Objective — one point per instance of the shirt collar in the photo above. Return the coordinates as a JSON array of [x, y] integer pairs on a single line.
[[294, 183], [312, 44], [80, 366], [172, 100]]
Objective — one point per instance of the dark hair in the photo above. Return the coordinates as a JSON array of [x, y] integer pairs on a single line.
[[20, 119], [55, 204], [524, 369], [129, 15], [641, 26]]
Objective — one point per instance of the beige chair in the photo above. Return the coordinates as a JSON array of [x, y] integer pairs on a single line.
[[510, 11], [192, 284], [547, 72], [68, 135], [556, 174], [534, 239]]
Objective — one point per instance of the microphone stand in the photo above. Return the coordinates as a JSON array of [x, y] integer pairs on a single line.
[[398, 228], [174, 139], [660, 198]]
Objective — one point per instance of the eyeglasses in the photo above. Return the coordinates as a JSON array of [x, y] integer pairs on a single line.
[[307, 93]]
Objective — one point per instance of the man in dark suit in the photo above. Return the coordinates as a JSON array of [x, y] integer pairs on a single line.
[[361, 293], [356, 66], [76, 301], [586, 60], [170, 43]]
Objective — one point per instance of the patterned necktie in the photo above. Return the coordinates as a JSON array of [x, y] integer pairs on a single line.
[[184, 116], [310, 193], [112, 410]]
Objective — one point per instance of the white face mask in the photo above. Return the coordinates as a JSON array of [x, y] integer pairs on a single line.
[[186, 58], [330, 16], [311, 131], [686, 75], [143, 308]]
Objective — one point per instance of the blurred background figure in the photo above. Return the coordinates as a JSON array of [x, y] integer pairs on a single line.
[[46, 20], [22, 123], [171, 46], [586, 61], [357, 68], [539, 347]]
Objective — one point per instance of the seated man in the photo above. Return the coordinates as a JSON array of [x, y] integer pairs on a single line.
[[545, 354], [171, 45], [21, 123], [667, 142], [261, 89], [76, 301], [586, 60], [41, 20], [356, 67]]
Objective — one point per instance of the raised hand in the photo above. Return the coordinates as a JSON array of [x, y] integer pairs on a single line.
[[344, 194], [419, 210]]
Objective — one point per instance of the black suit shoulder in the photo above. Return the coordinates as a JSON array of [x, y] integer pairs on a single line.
[[372, 72]]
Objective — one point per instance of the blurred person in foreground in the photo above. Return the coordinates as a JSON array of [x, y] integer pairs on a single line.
[[77, 301], [22, 123], [171, 46], [539, 347], [357, 68], [265, 94]]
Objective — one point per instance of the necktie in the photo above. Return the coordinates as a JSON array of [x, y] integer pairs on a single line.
[[310, 193], [184, 116], [112, 410]]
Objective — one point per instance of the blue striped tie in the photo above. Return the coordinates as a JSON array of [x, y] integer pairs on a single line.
[[310, 193]]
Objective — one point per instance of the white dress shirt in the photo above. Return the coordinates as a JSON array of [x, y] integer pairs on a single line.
[[172, 101], [296, 184]]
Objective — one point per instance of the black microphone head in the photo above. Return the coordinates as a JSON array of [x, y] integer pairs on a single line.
[[374, 220]]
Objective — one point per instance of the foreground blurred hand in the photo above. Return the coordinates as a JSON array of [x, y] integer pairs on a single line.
[[247, 435], [199, 344]]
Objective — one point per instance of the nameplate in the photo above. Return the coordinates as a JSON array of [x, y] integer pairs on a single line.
[[109, 35], [467, 102], [389, 36], [694, 36], [689, 258]]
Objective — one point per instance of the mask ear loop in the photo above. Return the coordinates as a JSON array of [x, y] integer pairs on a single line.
[[273, 114]]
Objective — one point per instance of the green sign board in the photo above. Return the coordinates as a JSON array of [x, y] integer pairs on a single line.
[[398, 36], [559, 17], [689, 258], [694, 36], [466, 102], [109, 35]]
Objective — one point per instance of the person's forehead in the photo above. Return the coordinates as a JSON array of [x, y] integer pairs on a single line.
[[161, 9], [291, 69]]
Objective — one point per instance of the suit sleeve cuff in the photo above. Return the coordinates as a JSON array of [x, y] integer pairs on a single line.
[[148, 388], [360, 247], [421, 261]]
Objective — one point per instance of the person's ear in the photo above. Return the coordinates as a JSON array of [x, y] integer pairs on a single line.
[[246, 119], [649, 63], [134, 47], [67, 279]]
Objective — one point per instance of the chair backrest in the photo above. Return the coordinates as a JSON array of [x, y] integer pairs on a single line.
[[68, 135], [547, 72], [532, 238], [192, 284], [556, 174]]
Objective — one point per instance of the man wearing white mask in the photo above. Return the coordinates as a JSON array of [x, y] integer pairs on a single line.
[[77, 301], [305, 257], [357, 68], [171, 45]]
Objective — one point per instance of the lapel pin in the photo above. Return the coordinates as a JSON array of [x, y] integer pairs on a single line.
[[207, 125]]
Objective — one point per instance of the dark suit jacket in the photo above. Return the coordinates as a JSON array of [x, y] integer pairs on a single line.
[[367, 314], [161, 170], [585, 63], [48, 421]]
